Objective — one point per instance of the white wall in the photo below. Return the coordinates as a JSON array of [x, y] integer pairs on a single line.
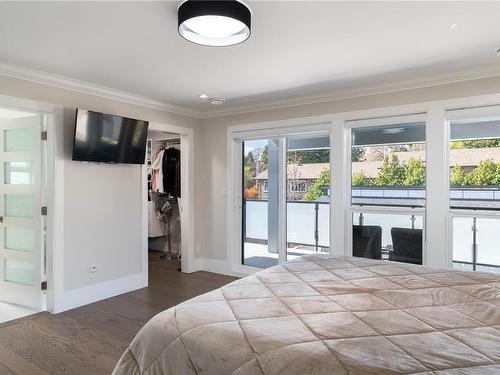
[[102, 203], [211, 220], [99, 199]]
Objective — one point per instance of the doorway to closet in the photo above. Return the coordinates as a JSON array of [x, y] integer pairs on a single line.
[[164, 187]]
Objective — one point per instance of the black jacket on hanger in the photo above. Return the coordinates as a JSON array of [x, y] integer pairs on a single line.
[[171, 167]]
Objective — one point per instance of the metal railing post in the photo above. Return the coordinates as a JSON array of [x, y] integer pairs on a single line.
[[474, 243], [316, 231]]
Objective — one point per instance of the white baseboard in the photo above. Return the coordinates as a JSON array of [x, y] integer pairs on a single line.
[[97, 292], [216, 266]]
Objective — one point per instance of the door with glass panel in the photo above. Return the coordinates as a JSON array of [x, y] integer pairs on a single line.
[[21, 259], [260, 197], [388, 188], [308, 195]]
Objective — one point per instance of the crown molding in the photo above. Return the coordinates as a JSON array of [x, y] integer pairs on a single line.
[[33, 75], [55, 80], [486, 71]]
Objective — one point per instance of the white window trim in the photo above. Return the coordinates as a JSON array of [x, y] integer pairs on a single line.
[[438, 214]]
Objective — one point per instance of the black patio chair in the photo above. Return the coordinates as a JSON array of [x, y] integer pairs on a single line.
[[367, 241], [407, 245]]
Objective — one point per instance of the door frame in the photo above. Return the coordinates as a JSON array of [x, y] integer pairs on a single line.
[[187, 210], [235, 136], [53, 195]]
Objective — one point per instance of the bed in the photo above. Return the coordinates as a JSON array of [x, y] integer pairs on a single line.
[[323, 314]]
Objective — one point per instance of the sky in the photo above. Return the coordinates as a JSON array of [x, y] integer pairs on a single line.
[[253, 145]]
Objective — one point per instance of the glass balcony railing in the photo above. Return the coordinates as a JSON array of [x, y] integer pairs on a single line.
[[307, 223], [476, 243], [475, 239]]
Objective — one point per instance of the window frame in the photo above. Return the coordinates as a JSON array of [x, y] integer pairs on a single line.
[[437, 236], [463, 114]]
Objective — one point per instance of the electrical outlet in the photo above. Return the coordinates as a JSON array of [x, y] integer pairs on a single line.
[[92, 271]]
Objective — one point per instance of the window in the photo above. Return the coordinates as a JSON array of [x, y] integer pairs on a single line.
[[474, 156], [298, 186], [388, 189]]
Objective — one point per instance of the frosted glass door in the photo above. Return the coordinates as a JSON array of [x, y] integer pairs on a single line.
[[20, 217]]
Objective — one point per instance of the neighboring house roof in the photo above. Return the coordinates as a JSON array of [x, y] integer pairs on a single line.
[[300, 171], [465, 157]]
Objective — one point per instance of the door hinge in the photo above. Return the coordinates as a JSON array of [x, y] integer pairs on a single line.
[[43, 135], [44, 211], [43, 285]]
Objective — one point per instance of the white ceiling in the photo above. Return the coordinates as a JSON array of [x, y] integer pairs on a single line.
[[299, 50]]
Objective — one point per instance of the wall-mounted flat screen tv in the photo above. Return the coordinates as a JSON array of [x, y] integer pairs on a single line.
[[107, 138]]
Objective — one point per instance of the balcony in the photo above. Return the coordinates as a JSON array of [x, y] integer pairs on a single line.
[[307, 231], [397, 212]]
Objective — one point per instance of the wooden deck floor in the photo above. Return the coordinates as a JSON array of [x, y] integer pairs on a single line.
[[91, 339]]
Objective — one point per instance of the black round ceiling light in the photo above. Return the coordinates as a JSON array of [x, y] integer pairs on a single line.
[[214, 23]]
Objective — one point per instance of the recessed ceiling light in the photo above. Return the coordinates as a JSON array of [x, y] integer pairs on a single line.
[[216, 101], [203, 96], [453, 27], [214, 23], [497, 51], [394, 130]]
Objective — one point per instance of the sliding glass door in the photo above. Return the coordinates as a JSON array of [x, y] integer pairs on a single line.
[[308, 195], [260, 202], [285, 198]]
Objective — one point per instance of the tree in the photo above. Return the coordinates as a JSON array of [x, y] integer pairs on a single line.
[[293, 176], [360, 179], [309, 156], [481, 143], [475, 143], [487, 173], [357, 153], [264, 157], [414, 172], [314, 190], [454, 145], [457, 176], [248, 176], [391, 173], [251, 192], [249, 159]]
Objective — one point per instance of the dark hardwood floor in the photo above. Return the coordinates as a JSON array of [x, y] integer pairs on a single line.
[[91, 339]]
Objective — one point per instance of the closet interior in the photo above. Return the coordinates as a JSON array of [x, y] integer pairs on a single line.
[[163, 156]]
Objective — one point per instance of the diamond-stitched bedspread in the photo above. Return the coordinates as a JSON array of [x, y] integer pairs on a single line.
[[329, 315]]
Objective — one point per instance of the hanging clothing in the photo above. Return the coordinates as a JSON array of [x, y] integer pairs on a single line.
[[172, 171], [157, 172]]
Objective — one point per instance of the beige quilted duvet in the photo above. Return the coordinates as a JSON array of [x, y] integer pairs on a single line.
[[329, 315]]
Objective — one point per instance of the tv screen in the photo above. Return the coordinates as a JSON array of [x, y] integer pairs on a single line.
[[107, 138]]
